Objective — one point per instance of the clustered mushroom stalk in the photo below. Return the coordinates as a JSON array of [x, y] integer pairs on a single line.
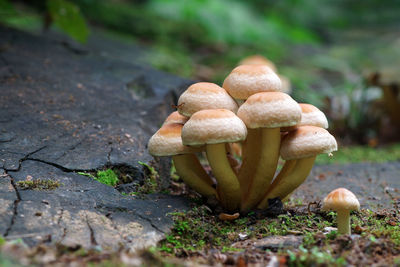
[[268, 124]]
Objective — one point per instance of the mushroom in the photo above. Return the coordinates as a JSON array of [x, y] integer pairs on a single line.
[[214, 128], [342, 201], [167, 142], [266, 112], [204, 95], [299, 148], [241, 83]]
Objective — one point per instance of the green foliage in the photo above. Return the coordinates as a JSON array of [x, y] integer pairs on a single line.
[[361, 154], [68, 18], [6, 8], [107, 177], [38, 184]]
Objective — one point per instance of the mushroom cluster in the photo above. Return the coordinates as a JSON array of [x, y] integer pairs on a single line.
[[243, 128]]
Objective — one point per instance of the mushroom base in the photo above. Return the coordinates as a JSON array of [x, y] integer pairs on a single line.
[[192, 173], [265, 169], [291, 181]]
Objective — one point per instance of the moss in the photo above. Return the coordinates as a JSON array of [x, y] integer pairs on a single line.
[[108, 177], [38, 184], [356, 154], [199, 231]]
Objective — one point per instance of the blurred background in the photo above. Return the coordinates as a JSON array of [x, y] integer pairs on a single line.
[[342, 56]]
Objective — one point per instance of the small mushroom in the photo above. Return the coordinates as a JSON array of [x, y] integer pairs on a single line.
[[342, 201]]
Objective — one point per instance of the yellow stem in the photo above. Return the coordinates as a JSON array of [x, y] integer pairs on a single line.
[[227, 183], [192, 173], [287, 184], [286, 169], [265, 169], [343, 222], [251, 154]]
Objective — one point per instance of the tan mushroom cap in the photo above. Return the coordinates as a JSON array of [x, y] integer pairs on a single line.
[[310, 115], [341, 199], [258, 60], [175, 117], [167, 141], [307, 141], [213, 126], [204, 95], [270, 110], [246, 80]]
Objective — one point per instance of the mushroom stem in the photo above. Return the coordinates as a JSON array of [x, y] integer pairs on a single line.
[[251, 154], [227, 183], [343, 221], [265, 169], [192, 173], [286, 169], [288, 183]]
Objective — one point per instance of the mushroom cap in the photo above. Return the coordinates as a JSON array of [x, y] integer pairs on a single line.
[[307, 141], [175, 117], [246, 80], [167, 141], [258, 60], [341, 199], [270, 110], [310, 115], [204, 95], [213, 126]]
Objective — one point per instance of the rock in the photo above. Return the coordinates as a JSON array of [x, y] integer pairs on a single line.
[[67, 108], [278, 242]]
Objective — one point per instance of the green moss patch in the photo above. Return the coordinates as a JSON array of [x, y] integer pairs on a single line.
[[199, 232], [38, 184]]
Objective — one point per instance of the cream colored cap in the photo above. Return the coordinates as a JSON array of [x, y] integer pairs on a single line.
[[175, 117], [341, 199], [247, 80], [270, 110], [307, 141], [204, 95], [167, 141], [213, 126], [258, 60], [311, 115]]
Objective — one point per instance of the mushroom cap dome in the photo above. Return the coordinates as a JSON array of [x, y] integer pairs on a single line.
[[205, 95], [307, 141], [175, 117], [167, 141], [213, 126], [246, 80], [270, 110], [341, 199]]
